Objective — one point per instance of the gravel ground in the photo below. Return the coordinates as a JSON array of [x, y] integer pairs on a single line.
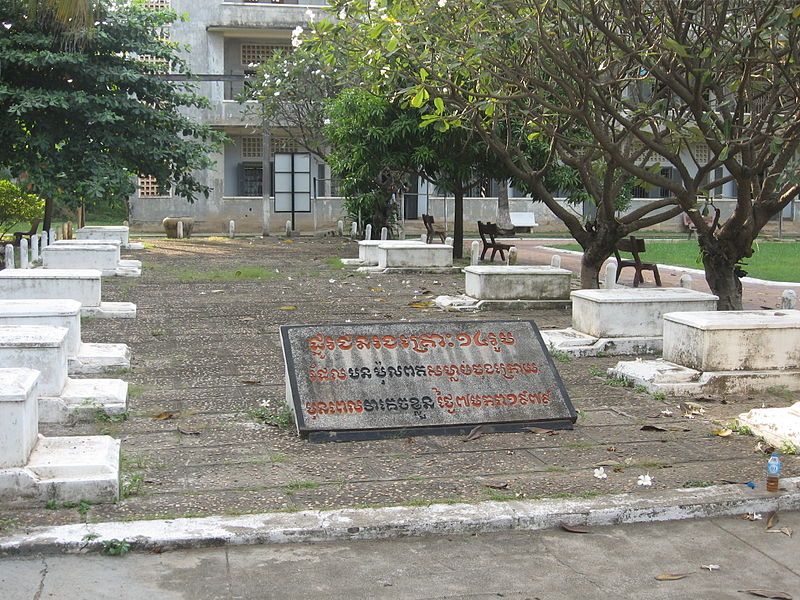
[[206, 352]]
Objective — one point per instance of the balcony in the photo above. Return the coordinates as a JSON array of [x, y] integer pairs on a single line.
[[262, 14]]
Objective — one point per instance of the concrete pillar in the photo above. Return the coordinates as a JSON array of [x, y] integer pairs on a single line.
[[288, 229], [475, 253], [788, 299], [34, 247], [611, 276], [368, 231], [384, 233], [555, 261], [232, 229], [512, 256], [23, 253], [353, 229], [179, 228], [340, 228], [9, 256], [686, 281]]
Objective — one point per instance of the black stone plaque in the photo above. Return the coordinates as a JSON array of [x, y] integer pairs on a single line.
[[352, 379]]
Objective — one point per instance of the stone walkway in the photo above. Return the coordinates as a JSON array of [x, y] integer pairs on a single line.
[[207, 384]]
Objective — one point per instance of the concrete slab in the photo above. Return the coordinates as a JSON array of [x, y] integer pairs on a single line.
[[81, 399], [628, 312], [779, 426], [66, 469], [71, 255], [110, 310], [467, 303], [82, 358], [406, 521], [752, 340], [517, 282], [39, 347], [19, 416], [414, 255], [83, 285], [662, 376], [368, 249], [119, 233]]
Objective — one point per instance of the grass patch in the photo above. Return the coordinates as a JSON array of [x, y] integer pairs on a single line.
[[615, 382], [334, 262], [560, 355], [239, 274], [596, 371], [283, 419], [776, 261], [697, 483], [291, 488], [590, 494]]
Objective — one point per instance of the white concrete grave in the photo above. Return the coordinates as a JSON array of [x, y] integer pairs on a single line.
[[90, 254], [413, 256], [368, 251], [83, 285], [82, 358], [622, 320], [105, 232], [722, 352], [61, 399], [37, 468], [511, 286]]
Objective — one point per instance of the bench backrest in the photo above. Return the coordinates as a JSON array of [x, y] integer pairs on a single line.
[[631, 245], [489, 229], [428, 221]]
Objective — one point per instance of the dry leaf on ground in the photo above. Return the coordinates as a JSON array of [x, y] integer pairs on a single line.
[[167, 414], [768, 594], [475, 433], [574, 529], [289, 307], [671, 576]]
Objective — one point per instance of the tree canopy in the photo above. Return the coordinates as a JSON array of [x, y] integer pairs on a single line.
[[79, 122]]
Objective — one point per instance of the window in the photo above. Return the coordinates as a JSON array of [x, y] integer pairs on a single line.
[[252, 146], [292, 182], [701, 154], [251, 179], [155, 4], [148, 187], [253, 54], [665, 172]]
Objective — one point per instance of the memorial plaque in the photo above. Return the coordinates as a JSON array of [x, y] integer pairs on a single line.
[[356, 380]]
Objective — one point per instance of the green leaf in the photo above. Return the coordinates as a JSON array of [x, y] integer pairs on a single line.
[[419, 98], [439, 104], [677, 48]]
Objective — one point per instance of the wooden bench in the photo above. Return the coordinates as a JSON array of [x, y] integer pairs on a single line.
[[634, 246], [433, 229], [18, 235], [490, 230]]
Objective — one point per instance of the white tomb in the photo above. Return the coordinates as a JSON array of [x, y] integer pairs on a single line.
[[83, 285], [90, 254], [119, 233], [36, 468], [61, 399], [623, 320], [83, 358], [722, 352], [511, 286], [411, 256], [368, 251], [517, 282]]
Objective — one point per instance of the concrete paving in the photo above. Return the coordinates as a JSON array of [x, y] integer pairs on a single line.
[[720, 558]]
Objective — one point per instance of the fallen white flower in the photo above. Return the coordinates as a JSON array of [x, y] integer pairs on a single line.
[[645, 480], [600, 473]]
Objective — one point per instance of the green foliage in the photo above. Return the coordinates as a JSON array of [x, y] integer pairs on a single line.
[[79, 120], [17, 206], [115, 547], [283, 419], [8, 524]]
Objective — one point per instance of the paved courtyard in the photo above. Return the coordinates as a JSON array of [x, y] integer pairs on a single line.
[[203, 435]]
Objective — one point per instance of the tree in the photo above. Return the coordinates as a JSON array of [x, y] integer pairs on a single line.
[[17, 206], [724, 105], [79, 122], [477, 65]]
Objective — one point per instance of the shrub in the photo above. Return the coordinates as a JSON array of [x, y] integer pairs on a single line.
[[17, 206]]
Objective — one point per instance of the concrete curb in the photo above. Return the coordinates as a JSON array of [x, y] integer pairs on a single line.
[[404, 521]]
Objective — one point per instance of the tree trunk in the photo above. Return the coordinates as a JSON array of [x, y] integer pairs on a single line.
[[458, 222], [722, 275], [48, 213], [503, 214], [592, 262]]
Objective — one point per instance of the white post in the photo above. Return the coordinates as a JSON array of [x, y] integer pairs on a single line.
[[448, 241], [23, 253], [9, 256], [44, 240], [423, 237], [474, 253], [788, 299], [35, 247], [368, 231], [384, 234], [52, 235], [686, 281], [353, 230], [340, 228], [288, 229], [179, 228], [125, 223], [512, 256], [232, 229], [555, 261], [611, 276]]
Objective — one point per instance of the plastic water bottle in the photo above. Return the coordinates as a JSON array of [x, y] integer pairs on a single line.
[[773, 472]]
